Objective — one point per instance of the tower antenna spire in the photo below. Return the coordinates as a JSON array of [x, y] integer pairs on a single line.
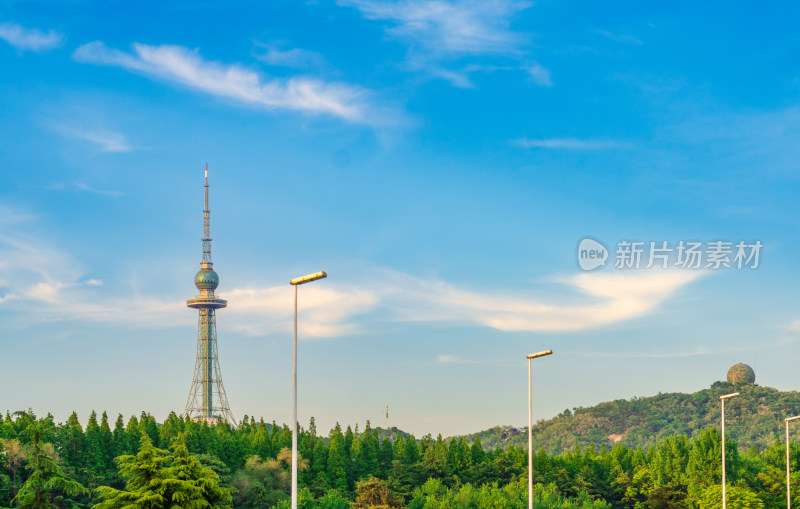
[[207, 399], [207, 227]]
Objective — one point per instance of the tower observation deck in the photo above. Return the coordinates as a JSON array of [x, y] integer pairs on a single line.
[[207, 399]]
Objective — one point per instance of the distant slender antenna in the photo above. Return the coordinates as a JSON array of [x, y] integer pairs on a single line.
[[387, 421]]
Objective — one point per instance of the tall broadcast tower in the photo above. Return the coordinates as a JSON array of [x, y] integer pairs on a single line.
[[207, 400]]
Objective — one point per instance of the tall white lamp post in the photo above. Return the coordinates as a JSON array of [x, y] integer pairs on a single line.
[[297, 282], [722, 400], [788, 480], [530, 424]]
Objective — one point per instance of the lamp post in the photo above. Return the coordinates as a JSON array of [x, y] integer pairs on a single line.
[[530, 424], [297, 282], [788, 481], [722, 400]]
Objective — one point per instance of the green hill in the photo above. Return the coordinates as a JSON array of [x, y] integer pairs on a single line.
[[753, 419]]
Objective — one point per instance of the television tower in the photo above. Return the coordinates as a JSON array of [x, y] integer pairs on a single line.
[[207, 400]]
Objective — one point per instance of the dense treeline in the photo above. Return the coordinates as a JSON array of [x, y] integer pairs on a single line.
[[641, 422], [68, 465]]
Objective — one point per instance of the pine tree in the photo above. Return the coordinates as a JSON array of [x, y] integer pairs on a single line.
[[411, 451], [199, 485], [476, 452], [118, 435], [367, 459], [337, 474], [262, 441], [374, 494], [145, 481], [385, 457], [157, 479], [132, 435], [108, 442], [74, 443], [96, 456], [47, 485]]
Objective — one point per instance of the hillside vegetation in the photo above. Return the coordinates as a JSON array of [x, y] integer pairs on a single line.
[[753, 419]]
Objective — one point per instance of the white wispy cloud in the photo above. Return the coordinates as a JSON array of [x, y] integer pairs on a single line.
[[455, 359], [188, 68], [8, 296], [105, 140], [29, 39], [621, 38], [439, 32], [458, 27], [32, 270], [327, 311], [10, 216], [334, 308], [458, 79], [540, 75], [337, 310], [571, 144], [611, 298], [44, 283], [695, 352], [108, 142], [296, 57], [80, 186], [48, 284], [89, 189]]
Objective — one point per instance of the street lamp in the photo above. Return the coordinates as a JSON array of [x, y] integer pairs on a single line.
[[530, 424], [722, 400], [297, 282], [788, 482]]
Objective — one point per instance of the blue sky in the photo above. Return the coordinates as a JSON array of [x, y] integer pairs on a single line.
[[440, 160]]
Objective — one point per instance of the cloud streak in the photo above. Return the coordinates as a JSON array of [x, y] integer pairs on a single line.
[[80, 186], [296, 58], [44, 282], [696, 352], [340, 309], [465, 27], [30, 39], [455, 359], [571, 144], [438, 31], [540, 75], [186, 67], [621, 38], [611, 298], [105, 140]]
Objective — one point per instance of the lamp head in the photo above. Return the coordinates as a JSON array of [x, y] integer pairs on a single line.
[[308, 278], [539, 354]]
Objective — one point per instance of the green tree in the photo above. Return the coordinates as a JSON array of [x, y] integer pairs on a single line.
[[199, 484], [48, 486], [476, 452], [333, 500], [156, 479], [737, 498], [374, 494], [12, 459], [261, 483], [336, 463]]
